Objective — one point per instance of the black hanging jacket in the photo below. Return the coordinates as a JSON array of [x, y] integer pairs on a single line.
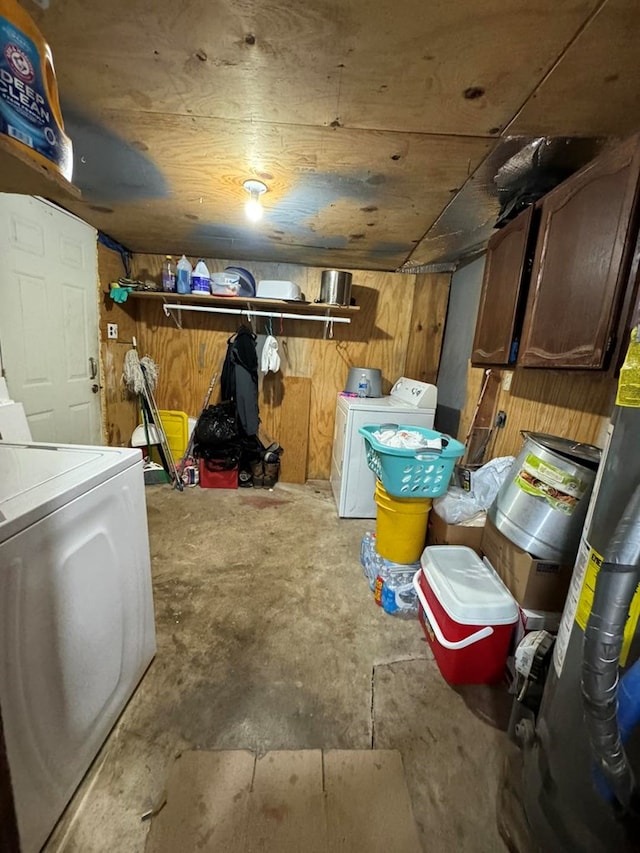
[[239, 380]]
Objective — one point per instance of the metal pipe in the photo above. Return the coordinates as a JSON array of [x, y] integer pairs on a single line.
[[615, 587]]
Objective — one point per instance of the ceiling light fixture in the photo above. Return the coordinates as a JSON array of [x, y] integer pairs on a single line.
[[253, 208]]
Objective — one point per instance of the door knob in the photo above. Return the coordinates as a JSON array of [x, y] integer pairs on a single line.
[[95, 388]]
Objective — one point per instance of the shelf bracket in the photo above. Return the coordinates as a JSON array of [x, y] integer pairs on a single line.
[[168, 312], [328, 326], [249, 314]]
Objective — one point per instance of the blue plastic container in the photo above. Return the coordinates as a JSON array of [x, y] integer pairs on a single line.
[[412, 473]]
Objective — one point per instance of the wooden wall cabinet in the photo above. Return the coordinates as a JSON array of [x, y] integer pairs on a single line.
[[582, 237], [503, 292], [581, 264]]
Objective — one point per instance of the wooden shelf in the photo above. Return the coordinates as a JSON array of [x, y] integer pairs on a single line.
[[259, 304], [20, 173]]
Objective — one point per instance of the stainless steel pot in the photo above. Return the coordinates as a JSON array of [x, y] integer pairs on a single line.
[[542, 504], [374, 380], [335, 287]]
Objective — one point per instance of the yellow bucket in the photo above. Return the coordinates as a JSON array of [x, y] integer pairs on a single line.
[[401, 527]]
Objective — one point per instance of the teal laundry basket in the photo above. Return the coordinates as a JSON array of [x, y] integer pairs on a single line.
[[412, 473]]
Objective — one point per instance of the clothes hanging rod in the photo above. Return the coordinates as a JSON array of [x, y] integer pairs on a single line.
[[248, 312]]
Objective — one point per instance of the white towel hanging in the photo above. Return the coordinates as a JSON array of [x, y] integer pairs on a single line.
[[270, 355]]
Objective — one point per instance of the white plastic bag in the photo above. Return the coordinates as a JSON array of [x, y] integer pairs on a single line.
[[488, 479], [457, 506]]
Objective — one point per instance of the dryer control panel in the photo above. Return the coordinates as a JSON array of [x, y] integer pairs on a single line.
[[412, 392]]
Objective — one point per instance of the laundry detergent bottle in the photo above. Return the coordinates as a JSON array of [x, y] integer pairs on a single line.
[[183, 275], [200, 278], [30, 115]]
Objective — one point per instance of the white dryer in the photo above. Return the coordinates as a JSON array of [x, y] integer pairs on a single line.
[[411, 403], [76, 615]]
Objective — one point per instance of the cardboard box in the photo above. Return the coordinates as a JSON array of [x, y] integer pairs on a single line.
[[535, 584], [441, 533], [540, 620], [535, 620]]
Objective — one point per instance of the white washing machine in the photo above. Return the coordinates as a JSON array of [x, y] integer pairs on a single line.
[[76, 615], [411, 403]]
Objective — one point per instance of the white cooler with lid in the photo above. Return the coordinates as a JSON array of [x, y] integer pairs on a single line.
[[467, 613]]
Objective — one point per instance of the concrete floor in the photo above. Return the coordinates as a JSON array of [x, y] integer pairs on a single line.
[[268, 638]]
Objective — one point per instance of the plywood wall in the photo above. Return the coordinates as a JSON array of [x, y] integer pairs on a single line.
[[119, 410], [430, 301], [565, 403], [399, 329]]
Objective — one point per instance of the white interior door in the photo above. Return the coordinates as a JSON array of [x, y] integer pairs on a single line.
[[49, 318]]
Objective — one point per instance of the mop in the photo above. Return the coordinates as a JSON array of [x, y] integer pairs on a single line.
[[140, 375], [133, 375]]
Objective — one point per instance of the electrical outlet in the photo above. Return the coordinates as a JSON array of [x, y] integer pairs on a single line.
[[507, 376], [501, 419], [112, 331]]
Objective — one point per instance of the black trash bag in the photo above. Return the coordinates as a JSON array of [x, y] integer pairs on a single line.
[[227, 453], [217, 425]]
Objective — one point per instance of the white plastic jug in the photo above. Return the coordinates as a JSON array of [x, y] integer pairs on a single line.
[[200, 278], [183, 270]]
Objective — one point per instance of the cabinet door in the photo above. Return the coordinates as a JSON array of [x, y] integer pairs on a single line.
[[504, 274], [580, 264]]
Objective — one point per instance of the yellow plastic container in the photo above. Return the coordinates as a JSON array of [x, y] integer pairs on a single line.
[[30, 115], [176, 427], [401, 527]]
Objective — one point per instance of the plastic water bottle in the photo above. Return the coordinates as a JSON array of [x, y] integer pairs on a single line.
[[201, 278], [168, 275], [184, 275], [363, 386]]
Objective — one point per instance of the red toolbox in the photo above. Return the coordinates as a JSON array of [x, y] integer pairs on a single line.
[[213, 476], [467, 613]]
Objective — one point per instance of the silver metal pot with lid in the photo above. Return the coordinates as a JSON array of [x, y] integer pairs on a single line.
[[542, 504], [335, 287], [373, 376]]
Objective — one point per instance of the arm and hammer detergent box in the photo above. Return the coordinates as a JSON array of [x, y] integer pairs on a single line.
[[30, 115]]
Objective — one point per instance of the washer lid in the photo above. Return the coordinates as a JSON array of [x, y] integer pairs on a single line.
[[470, 592], [36, 479]]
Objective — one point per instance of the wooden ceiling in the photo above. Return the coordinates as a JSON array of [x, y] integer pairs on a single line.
[[365, 120]]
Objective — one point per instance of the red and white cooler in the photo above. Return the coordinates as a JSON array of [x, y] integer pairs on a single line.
[[467, 613]]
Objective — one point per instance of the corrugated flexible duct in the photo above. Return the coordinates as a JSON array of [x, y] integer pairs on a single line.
[[615, 587]]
